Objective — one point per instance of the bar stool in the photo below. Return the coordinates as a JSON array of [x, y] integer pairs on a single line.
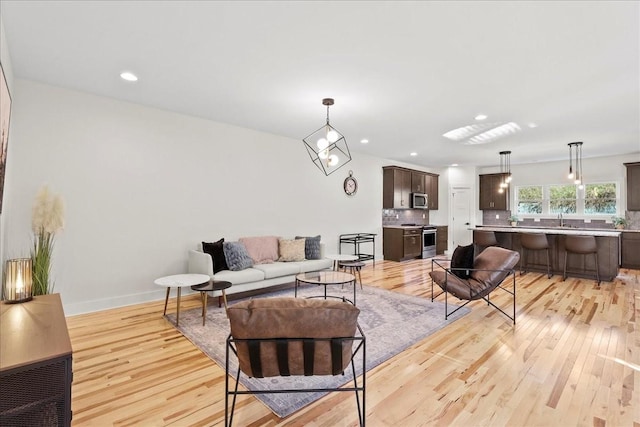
[[534, 242], [484, 239], [354, 268], [580, 245]]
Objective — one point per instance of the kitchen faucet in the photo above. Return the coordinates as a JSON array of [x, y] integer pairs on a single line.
[[561, 219]]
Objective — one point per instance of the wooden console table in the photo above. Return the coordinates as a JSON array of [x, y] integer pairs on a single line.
[[35, 363]]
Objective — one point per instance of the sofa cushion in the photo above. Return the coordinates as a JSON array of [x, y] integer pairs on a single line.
[[217, 254], [291, 250], [462, 258], [311, 247], [237, 256], [278, 269], [247, 275], [262, 249], [313, 264]]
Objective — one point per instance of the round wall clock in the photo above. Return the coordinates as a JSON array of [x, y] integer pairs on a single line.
[[350, 185]]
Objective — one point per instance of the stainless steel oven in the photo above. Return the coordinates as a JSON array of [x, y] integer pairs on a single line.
[[428, 241]]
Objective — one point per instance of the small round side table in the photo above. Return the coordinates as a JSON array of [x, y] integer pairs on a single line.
[[208, 287], [180, 281]]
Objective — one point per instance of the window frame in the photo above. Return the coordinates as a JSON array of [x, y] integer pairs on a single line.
[[580, 201]]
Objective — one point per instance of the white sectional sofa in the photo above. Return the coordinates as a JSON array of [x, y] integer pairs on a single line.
[[257, 277]]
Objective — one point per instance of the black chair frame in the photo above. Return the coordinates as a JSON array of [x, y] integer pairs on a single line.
[[360, 345], [448, 270]]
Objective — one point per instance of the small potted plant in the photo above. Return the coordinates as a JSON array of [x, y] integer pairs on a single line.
[[513, 220], [619, 222]]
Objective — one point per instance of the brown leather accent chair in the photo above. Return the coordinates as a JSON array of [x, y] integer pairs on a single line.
[[490, 269], [534, 242], [582, 245], [294, 336]]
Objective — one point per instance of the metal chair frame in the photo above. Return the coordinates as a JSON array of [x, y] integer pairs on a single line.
[[448, 270], [359, 390]]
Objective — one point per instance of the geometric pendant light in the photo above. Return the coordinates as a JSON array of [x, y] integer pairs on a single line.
[[327, 147]]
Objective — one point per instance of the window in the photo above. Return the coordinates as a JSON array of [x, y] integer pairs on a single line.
[[600, 199], [593, 199], [529, 199], [563, 199]]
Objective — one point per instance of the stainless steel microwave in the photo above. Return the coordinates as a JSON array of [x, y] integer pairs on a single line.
[[419, 201]]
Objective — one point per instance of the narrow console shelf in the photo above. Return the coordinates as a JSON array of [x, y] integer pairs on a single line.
[[356, 239]]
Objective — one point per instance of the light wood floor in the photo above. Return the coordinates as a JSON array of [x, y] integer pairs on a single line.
[[573, 359]]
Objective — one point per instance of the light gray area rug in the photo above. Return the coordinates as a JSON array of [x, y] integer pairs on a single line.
[[390, 321]]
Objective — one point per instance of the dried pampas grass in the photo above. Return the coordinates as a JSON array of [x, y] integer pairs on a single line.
[[47, 219]]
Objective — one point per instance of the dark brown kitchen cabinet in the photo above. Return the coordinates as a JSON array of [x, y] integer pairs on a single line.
[[490, 197], [418, 182], [396, 188], [442, 239], [633, 186], [431, 186], [398, 184], [399, 244], [630, 242]]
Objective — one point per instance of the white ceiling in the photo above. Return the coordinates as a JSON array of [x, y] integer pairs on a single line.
[[402, 73]]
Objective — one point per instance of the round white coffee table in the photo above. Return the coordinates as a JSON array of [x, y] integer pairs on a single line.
[[179, 281]]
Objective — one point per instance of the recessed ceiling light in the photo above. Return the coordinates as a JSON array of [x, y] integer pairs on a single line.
[[364, 141], [413, 154], [128, 76], [481, 116], [454, 164], [532, 125]]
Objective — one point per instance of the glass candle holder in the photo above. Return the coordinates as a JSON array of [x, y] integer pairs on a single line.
[[18, 281]]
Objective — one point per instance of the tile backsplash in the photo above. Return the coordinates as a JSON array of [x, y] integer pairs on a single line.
[[404, 216], [489, 218]]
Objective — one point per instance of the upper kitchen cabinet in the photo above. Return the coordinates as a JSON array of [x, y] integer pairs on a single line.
[[417, 182], [396, 188], [431, 186], [490, 198], [633, 186], [399, 183]]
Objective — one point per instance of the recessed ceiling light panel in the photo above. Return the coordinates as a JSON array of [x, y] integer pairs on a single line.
[[494, 133], [364, 141], [413, 154], [481, 117]]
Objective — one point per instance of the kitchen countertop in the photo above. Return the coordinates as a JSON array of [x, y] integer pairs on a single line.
[[551, 230]]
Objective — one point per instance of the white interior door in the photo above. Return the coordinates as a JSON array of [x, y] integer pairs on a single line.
[[461, 220]]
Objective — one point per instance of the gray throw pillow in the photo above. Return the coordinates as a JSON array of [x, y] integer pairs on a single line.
[[311, 247], [237, 256]]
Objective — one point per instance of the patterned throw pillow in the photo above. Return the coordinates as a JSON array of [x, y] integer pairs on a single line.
[[237, 256], [311, 247], [217, 254], [462, 258], [291, 250]]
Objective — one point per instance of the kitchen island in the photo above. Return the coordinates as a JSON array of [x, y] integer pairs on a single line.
[[607, 241]]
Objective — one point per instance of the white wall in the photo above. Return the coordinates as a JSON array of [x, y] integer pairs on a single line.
[[142, 186]]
